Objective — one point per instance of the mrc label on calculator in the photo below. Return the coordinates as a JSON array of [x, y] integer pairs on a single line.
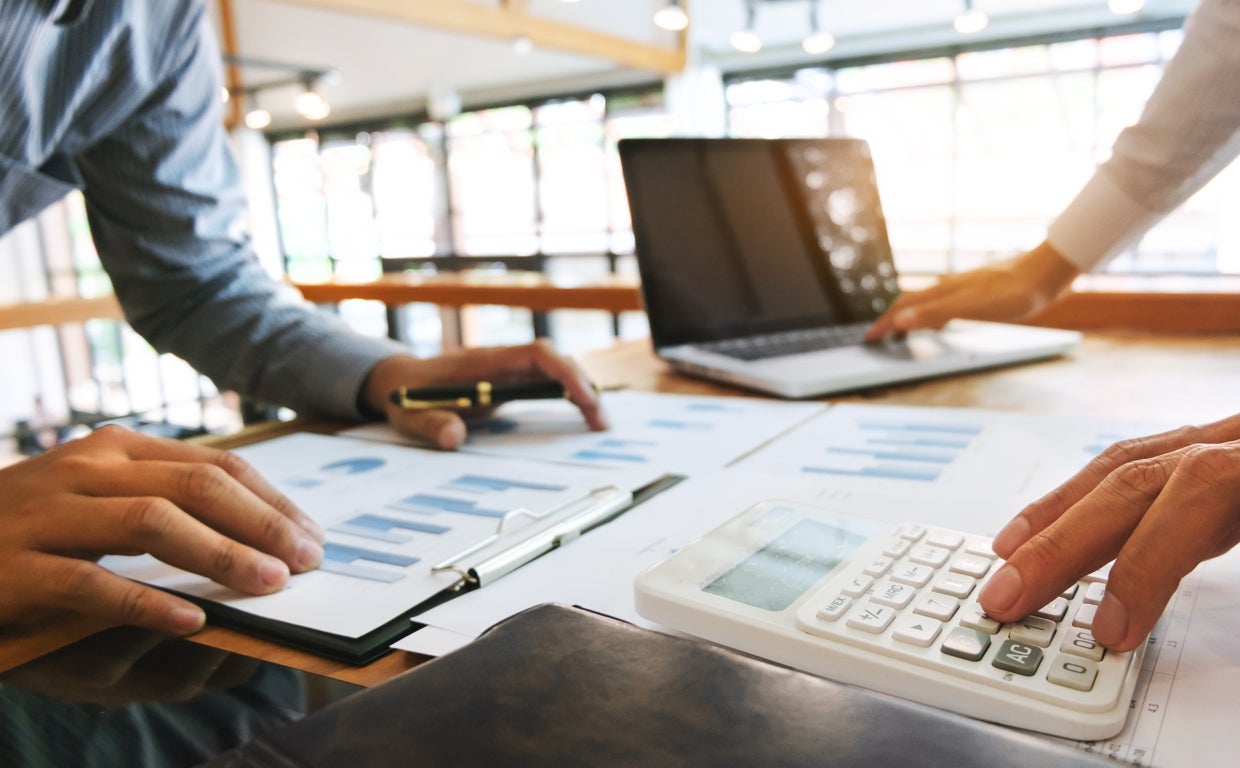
[[894, 610]]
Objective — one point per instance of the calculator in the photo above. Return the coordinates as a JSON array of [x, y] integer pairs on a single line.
[[893, 609]]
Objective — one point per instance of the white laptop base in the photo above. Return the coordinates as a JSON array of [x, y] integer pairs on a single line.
[[962, 345]]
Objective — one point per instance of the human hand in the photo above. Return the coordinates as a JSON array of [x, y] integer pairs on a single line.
[[1157, 505], [120, 492], [446, 428], [1007, 291]]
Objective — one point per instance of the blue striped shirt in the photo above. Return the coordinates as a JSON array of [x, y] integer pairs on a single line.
[[120, 98]]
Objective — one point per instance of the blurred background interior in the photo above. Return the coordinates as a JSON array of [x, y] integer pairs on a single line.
[[438, 136]]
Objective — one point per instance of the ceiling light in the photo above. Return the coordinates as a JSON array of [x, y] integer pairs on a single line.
[[671, 17], [818, 41], [746, 40], [1125, 7], [257, 119], [310, 105], [971, 20]]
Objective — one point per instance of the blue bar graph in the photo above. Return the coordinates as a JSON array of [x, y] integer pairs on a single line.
[[901, 426], [880, 470], [617, 442], [425, 502], [591, 454], [386, 529], [711, 407], [698, 426], [343, 560], [484, 484], [905, 455], [929, 442]]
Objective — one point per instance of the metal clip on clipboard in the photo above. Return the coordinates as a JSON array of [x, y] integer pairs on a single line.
[[522, 535]]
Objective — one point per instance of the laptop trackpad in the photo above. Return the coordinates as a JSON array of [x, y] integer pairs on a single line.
[[919, 345]]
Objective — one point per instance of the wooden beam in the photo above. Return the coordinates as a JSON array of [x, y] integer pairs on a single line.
[[59, 312], [508, 22], [232, 72]]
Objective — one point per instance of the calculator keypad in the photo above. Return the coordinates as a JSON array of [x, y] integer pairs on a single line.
[[913, 595]]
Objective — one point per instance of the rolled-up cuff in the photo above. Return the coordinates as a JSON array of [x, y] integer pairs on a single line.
[[1101, 222]]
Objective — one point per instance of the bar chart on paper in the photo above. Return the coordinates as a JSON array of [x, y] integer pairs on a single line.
[[916, 450], [391, 513], [676, 433]]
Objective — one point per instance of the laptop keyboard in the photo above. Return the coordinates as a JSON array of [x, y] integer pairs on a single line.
[[789, 342]]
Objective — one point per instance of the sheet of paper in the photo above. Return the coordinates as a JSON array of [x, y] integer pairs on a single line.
[[597, 570], [391, 513], [983, 458], [675, 433]]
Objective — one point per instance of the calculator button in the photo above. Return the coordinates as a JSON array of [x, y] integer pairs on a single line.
[[1094, 592], [878, 566], [912, 532], [1073, 672], [971, 565], [1033, 631], [1014, 656], [1055, 610], [913, 575], [937, 607], [983, 549], [927, 555], [975, 618], [968, 644], [1069, 593], [1084, 617], [838, 606], [857, 586], [946, 539], [955, 585], [897, 548], [1102, 574], [871, 618], [893, 594], [917, 631], [1081, 642]]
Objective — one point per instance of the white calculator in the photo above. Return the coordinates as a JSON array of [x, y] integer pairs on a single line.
[[894, 610]]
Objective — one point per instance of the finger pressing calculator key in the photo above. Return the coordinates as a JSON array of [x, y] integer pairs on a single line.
[[845, 597]]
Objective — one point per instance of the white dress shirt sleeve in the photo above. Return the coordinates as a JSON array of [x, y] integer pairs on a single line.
[[1187, 133]]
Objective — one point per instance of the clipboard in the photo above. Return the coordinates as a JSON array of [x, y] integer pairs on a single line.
[[357, 491], [520, 538]]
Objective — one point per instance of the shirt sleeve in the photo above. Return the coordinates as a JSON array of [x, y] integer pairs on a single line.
[[1188, 132], [167, 212]]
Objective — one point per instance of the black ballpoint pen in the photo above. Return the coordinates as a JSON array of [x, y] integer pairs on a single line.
[[476, 395]]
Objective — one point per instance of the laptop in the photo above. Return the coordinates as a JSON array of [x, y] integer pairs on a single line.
[[764, 261]]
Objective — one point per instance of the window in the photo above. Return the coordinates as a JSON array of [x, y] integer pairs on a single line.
[[977, 151]]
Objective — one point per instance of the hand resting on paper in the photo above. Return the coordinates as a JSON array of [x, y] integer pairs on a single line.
[[1156, 505], [121, 492], [446, 428]]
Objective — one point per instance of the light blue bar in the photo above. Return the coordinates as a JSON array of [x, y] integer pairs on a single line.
[[359, 571], [371, 533], [484, 484], [893, 473], [701, 426], [593, 455], [343, 553], [615, 442], [933, 458], [929, 442], [425, 502], [953, 429], [713, 407], [385, 528]]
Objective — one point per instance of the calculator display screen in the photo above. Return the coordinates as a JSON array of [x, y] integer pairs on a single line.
[[776, 575]]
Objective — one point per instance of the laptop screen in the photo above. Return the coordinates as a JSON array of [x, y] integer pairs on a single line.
[[742, 237]]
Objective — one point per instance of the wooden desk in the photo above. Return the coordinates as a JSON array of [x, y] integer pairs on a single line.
[[1180, 379]]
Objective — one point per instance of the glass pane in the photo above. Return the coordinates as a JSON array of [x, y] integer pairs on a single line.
[[1003, 62], [572, 180], [896, 74], [351, 232], [491, 178], [297, 175], [406, 194]]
